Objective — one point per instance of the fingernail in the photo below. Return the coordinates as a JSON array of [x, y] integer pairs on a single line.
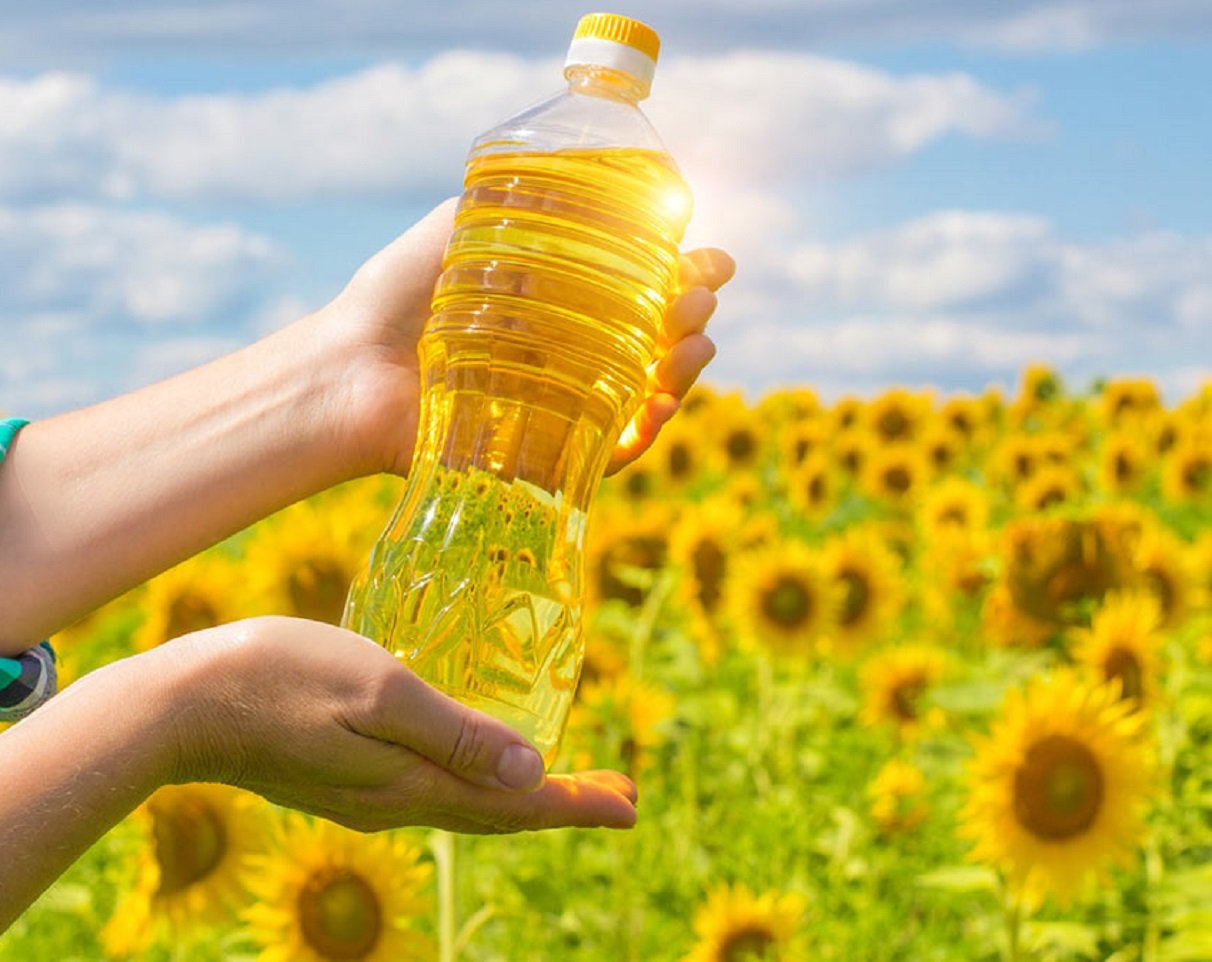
[[520, 768]]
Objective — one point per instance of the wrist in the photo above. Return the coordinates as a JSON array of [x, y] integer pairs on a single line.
[[198, 704], [373, 406]]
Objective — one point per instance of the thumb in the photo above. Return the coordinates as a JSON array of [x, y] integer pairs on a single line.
[[465, 742]]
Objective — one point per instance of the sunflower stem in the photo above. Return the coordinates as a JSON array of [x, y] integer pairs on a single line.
[[1012, 908], [764, 683], [645, 624], [1153, 877], [442, 844]]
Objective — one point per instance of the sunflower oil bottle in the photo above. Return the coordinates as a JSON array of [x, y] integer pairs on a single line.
[[544, 330]]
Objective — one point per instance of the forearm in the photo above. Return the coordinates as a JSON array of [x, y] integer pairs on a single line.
[[97, 501], [76, 767]]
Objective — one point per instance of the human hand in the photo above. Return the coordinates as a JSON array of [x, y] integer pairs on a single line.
[[320, 719], [384, 308]]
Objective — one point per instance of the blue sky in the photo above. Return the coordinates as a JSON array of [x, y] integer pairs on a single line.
[[932, 194]]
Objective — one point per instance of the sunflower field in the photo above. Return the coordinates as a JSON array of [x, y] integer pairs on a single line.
[[911, 676]]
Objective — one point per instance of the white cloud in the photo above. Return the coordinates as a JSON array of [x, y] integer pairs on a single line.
[[394, 130], [143, 266], [96, 300], [83, 31], [959, 298]]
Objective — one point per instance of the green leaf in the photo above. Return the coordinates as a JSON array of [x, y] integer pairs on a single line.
[[960, 878]]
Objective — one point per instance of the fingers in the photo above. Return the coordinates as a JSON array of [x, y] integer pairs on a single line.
[[688, 314], [462, 741], [677, 371], [599, 799], [707, 267]]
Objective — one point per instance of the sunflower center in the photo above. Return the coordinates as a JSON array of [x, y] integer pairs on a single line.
[[681, 461], [740, 445], [749, 945], [318, 588], [892, 424], [1197, 475], [904, 698], [1050, 496], [638, 551], [856, 597], [190, 843], [1058, 788], [1124, 665], [898, 479], [340, 914], [818, 489], [189, 612], [954, 514], [1162, 587], [962, 422], [710, 563], [787, 603], [1124, 468], [639, 484]]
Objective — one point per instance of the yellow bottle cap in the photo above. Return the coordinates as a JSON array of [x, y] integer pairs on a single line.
[[624, 30], [620, 43]]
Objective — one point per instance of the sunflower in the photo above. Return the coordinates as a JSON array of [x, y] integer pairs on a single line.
[[1008, 626], [1201, 561], [301, 560], [895, 473], [851, 452], [811, 487], [953, 503], [734, 925], [744, 490], [942, 446], [624, 717], [327, 893], [897, 416], [1163, 561], [1041, 385], [896, 687], [964, 415], [896, 795], [189, 875], [787, 405], [866, 578], [1051, 485], [1128, 398], [1015, 459], [700, 401], [681, 456], [845, 415], [739, 436], [1055, 565], [961, 569], [638, 481], [1123, 462], [1058, 789], [779, 598], [202, 592], [1123, 645], [1187, 472], [625, 548], [701, 546], [800, 441], [605, 656]]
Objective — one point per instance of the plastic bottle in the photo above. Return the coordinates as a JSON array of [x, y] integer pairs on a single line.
[[544, 330]]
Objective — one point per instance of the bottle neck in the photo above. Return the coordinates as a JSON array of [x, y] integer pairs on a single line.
[[596, 81]]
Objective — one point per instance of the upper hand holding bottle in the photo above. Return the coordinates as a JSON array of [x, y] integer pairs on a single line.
[[386, 304]]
